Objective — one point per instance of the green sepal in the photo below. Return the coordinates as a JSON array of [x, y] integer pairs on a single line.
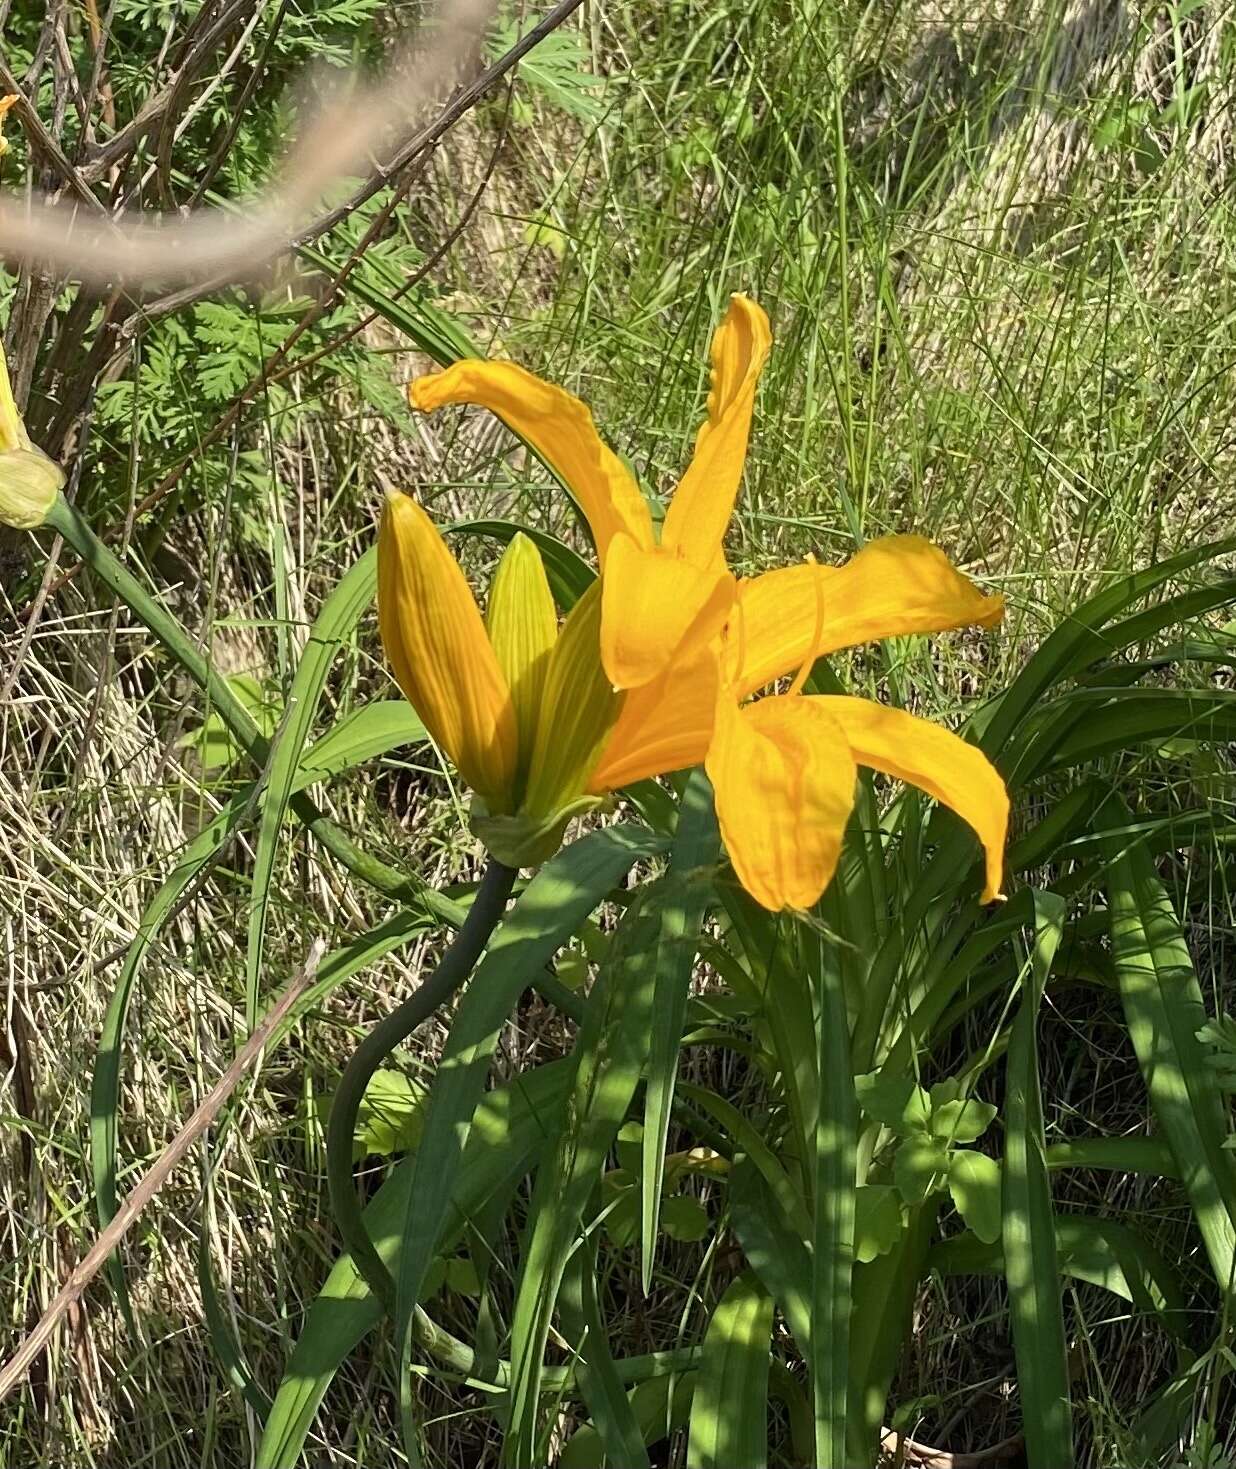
[[523, 840]]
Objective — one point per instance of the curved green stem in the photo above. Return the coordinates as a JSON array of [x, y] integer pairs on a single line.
[[453, 970], [460, 1358]]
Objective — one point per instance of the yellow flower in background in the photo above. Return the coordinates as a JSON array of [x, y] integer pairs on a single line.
[[522, 708], [29, 481], [5, 104], [689, 644]]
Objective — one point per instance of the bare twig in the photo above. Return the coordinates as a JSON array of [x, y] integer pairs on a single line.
[[19, 1364], [895, 1448], [43, 143], [340, 141]]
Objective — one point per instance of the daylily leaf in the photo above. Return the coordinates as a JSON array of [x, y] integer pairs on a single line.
[[974, 1182]]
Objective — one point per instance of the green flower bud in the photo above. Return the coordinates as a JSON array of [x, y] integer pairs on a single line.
[[29, 481]]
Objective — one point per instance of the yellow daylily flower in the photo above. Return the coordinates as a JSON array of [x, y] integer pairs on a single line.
[[782, 768], [522, 708], [689, 643], [661, 602], [7, 102], [29, 480]]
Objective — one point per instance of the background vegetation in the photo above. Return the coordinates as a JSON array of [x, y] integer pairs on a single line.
[[996, 249]]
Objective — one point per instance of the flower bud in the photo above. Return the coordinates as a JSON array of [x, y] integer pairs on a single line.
[[29, 484], [29, 481]]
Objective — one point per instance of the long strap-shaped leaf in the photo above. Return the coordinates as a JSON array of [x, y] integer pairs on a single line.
[[333, 625], [835, 1142], [729, 1408], [548, 912], [1028, 1226], [1164, 1011], [370, 731], [612, 1413], [1083, 638], [506, 1130], [609, 1058], [1102, 1252], [777, 1254], [680, 932]]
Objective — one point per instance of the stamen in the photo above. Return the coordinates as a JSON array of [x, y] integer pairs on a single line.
[[817, 636]]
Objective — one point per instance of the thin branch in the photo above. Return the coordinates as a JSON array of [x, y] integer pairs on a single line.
[[895, 1448], [43, 143], [155, 1177], [151, 112], [338, 142]]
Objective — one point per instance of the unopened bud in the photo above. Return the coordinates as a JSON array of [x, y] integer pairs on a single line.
[[29, 481]]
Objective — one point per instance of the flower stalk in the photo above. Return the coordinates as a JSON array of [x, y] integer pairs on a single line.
[[453, 971]]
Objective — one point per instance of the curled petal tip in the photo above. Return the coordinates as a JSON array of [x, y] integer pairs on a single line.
[[421, 393]]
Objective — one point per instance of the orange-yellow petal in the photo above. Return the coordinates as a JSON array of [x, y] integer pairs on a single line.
[[898, 585], [578, 712], [442, 659], [696, 521], [657, 609], [665, 725], [935, 760], [560, 428], [13, 433], [784, 782]]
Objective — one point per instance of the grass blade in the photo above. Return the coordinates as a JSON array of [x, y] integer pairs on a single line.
[[1100, 1251], [660, 1405], [372, 730], [609, 1057], [778, 1256], [507, 1130], [835, 1144], [613, 1416], [747, 1139], [569, 574], [1028, 1225], [1079, 641], [557, 900]]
